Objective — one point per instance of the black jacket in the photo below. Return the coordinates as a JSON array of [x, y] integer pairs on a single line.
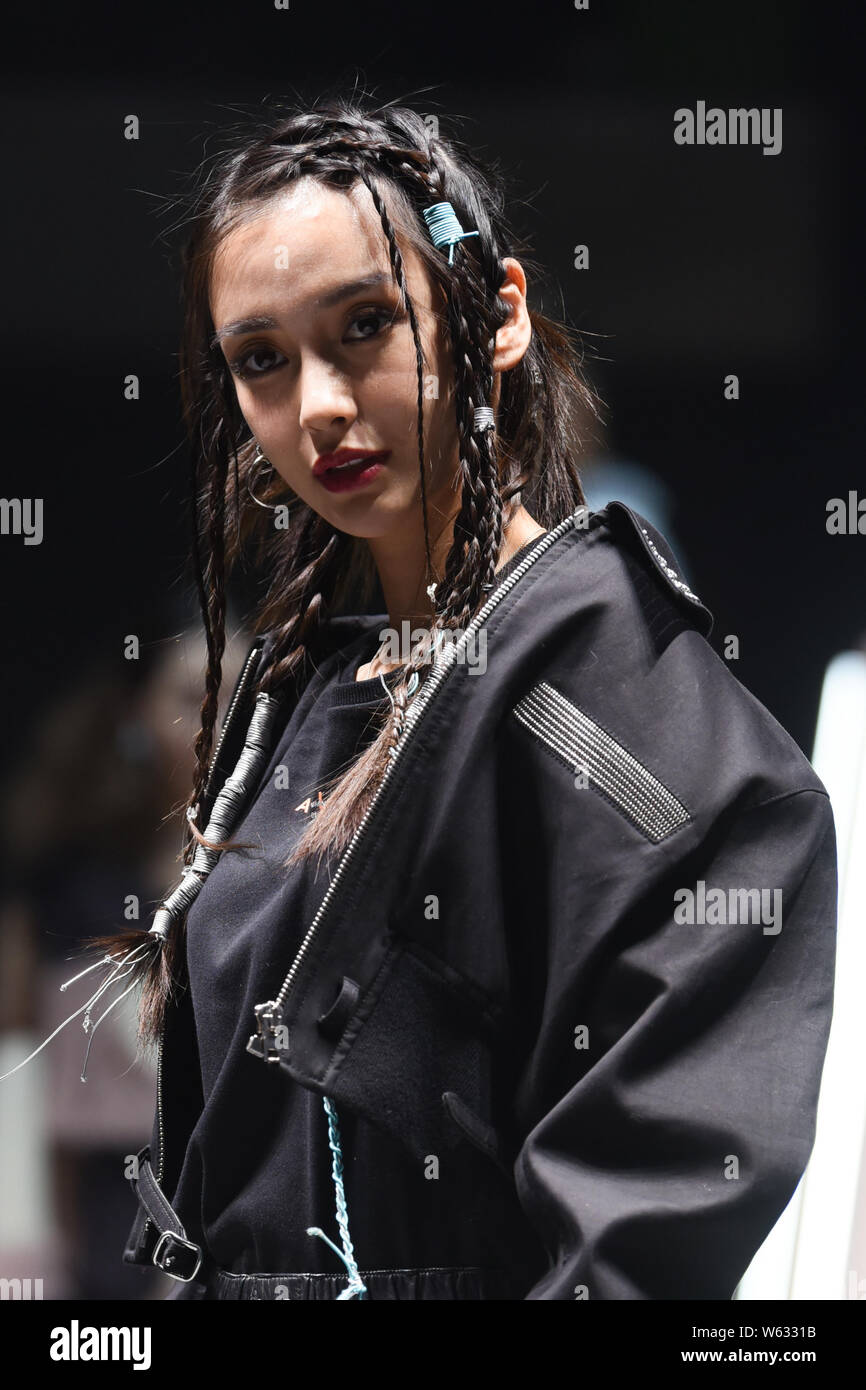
[[624, 995]]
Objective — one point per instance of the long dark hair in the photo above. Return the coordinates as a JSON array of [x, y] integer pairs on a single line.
[[407, 165]]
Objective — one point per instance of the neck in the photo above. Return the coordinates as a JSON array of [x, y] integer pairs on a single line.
[[403, 580], [401, 560]]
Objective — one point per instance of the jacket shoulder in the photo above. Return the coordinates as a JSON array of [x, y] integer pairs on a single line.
[[638, 535], [617, 669]]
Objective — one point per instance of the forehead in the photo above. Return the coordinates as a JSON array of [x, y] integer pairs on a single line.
[[306, 239]]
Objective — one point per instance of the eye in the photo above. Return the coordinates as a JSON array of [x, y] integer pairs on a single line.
[[240, 367], [376, 317], [372, 319]]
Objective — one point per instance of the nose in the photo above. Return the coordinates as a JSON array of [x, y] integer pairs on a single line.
[[326, 397]]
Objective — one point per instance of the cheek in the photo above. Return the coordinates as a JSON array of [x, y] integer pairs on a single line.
[[272, 419], [247, 407]]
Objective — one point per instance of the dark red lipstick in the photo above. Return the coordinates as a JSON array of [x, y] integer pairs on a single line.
[[349, 468]]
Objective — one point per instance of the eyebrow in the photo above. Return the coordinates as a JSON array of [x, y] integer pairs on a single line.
[[257, 322]]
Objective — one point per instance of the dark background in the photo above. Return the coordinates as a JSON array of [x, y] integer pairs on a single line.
[[703, 261]]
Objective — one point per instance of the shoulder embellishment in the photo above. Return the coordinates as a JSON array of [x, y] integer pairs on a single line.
[[591, 753], [659, 554], [669, 571]]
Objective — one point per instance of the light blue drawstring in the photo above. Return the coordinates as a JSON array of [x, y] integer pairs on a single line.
[[356, 1287]]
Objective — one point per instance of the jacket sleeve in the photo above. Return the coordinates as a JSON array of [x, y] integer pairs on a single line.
[[668, 1104]]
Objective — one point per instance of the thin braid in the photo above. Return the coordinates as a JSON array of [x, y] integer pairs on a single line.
[[400, 276], [361, 150], [478, 526], [480, 516], [213, 602], [307, 604]]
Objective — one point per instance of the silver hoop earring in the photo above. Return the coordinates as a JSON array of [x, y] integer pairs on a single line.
[[269, 506]]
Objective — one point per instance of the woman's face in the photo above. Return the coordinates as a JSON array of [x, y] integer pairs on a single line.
[[331, 364]]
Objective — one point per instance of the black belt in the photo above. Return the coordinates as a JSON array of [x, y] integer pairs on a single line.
[[174, 1253]]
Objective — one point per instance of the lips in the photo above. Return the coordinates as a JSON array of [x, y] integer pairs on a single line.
[[341, 458], [349, 469]]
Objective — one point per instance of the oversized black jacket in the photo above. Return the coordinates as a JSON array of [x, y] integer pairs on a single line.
[[622, 992]]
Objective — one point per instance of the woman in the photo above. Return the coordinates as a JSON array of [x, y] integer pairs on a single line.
[[507, 923]]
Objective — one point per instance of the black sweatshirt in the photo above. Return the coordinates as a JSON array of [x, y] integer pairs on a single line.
[[257, 1170]]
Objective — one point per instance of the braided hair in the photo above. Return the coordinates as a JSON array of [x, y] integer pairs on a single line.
[[313, 568]]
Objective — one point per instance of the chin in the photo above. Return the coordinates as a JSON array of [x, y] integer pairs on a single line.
[[373, 519]]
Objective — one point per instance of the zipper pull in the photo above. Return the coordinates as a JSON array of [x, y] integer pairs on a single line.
[[272, 1037]]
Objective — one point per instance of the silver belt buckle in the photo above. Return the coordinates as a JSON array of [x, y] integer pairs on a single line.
[[180, 1240]]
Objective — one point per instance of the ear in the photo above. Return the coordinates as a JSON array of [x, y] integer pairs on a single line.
[[512, 339]]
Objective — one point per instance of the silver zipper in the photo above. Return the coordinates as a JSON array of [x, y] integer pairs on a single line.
[[160, 1158], [161, 1154], [267, 1042]]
